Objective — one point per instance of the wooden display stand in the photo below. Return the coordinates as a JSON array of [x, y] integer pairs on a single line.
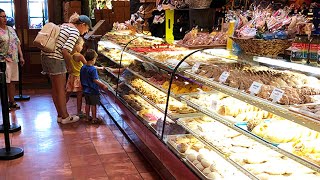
[[69, 8]]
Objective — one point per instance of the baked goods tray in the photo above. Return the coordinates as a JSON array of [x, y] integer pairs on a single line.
[[145, 122], [172, 116], [298, 109], [177, 96], [201, 46], [243, 126], [217, 150], [266, 105], [195, 169], [207, 112], [184, 158], [111, 59], [163, 65], [174, 146], [149, 82]]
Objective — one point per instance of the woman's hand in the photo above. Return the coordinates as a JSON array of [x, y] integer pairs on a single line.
[[22, 61]]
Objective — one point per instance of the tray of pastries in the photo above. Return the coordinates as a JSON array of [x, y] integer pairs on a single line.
[[309, 110]]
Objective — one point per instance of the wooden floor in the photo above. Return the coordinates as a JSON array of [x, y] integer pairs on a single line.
[[73, 151]]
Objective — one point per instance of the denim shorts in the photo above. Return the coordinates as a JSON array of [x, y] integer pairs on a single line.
[[92, 99], [53, 66]]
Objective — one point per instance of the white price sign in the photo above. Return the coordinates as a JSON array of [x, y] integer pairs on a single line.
[[195, 67], [255, 88], [276, 94], [214, 104], [223, 77]]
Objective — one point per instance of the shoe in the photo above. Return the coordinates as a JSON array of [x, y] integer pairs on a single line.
[[81, 115], [59, 119], [70, 119], [13, 105], [96, 121]]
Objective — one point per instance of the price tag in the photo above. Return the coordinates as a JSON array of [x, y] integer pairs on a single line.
[[223, 77], [214, 104], [276, 94], [255, 88], [196, 66]]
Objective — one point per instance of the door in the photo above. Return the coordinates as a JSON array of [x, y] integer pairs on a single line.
[[29, 15]]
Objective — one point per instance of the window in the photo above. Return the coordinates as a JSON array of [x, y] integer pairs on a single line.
[[37, 13], [8, 7]]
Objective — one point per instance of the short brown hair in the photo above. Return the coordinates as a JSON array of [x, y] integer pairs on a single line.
[[90, 55]]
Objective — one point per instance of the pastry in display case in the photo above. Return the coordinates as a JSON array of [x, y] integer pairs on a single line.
[[227, 116]]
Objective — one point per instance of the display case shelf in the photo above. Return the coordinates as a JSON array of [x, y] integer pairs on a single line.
[[154, 85], [221, 154], [231, 125], [145, 122], [258, 102], [110, 72], [109, 86], [172, 116]]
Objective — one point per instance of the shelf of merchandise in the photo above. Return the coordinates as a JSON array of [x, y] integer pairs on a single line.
[[221, 154], [145, 122], [231, 125], [258, 102]]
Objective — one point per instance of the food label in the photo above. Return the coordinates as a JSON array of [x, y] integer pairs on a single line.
[[223, 77], [214, 104], [255, 88], [276, 94], [195, 67], [299, 50]]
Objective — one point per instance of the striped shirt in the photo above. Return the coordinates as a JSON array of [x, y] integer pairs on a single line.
[[66, 40]]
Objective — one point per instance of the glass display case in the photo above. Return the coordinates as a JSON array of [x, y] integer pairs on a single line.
[[227, 116]]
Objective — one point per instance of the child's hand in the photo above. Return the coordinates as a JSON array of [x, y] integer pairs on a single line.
[[105, 88]]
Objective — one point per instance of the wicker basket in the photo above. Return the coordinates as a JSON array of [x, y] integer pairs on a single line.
[[270, 48], [199, 4]]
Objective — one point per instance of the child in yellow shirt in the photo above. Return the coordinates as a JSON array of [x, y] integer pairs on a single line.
[[73, 83]]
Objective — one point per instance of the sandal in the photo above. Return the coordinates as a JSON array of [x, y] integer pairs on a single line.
[[87, 119], [96, 121]]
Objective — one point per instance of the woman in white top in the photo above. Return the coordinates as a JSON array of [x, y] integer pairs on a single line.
[[56, 64]]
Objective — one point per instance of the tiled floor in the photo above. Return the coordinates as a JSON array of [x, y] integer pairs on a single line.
[[73, 151]]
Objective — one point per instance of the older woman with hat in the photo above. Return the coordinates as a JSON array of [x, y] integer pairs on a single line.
[[57, 64]]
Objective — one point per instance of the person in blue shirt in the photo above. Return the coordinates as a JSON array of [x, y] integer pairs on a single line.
[[90, 85]]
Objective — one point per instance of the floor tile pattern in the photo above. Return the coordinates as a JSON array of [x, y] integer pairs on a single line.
[[74, 151]]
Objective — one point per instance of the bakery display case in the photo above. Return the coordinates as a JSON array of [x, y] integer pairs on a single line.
[[226, 115]]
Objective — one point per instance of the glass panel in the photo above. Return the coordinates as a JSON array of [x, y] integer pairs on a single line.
[[35, 23], [37, 13], [8, 7]]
